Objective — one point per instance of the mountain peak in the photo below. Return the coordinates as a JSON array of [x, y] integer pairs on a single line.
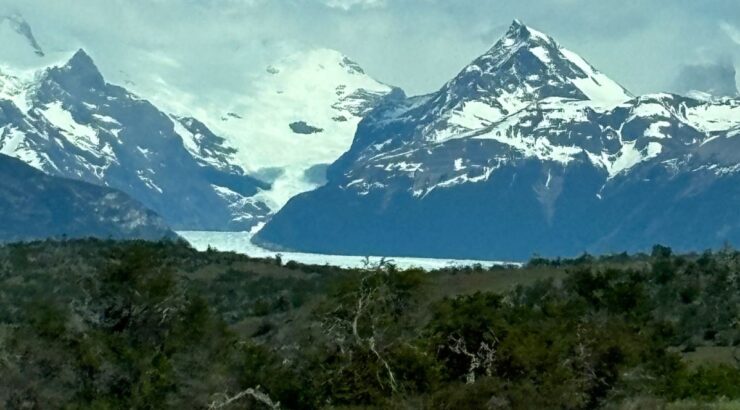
[[519, 33], [520, 42], [81, 59], [532, 65], [82, 70], [316, 59]]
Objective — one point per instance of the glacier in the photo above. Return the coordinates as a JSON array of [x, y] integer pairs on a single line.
[[241, 242]]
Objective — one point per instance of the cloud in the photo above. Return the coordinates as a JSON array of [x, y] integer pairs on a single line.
[[732, 32], [415, 44], [715, 78], [350, 4]]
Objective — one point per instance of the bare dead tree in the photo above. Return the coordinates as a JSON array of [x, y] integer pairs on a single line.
[[481, 359], [583, 363], [355, 323], [255, 393]]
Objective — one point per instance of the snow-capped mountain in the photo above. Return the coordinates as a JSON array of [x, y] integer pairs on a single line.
[[283, 126], [66, 120], [287, 122], [38, 206], [523, 67], [528, 149], [299, 116]]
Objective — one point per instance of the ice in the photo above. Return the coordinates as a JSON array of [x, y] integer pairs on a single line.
[[225, 193], [12, 143], [715, 117], [459, 164], [148, 181], [11, 140], [188, 138], [531, 146], [403, 167], [655, 130], [320, 87], [537, 34], [627, 157], [80, 135], [145, 152], [473, 115], [14, 85], [542, 54], [240, 242], [457, 180], [596, 86], [648, 108], [105, 118]]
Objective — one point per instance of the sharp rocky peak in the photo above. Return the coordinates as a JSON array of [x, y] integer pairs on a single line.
[[532, 65], [518, 31], [518, 37], [81, 61], [79, 70]]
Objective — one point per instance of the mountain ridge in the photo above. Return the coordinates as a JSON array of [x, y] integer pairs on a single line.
[[38, 206], [249, 143], [526, 153], [67, 120]]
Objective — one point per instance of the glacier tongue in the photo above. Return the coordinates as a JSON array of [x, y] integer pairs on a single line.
[[240, 242], [321, 89]]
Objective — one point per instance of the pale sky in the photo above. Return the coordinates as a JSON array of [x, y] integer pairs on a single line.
[[414, 44]]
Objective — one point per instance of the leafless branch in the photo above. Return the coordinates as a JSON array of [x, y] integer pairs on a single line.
[[254, 393]]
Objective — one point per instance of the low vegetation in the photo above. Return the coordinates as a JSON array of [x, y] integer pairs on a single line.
[[108, 325]]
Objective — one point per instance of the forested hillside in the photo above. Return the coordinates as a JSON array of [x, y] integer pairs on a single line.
[[106, 324]]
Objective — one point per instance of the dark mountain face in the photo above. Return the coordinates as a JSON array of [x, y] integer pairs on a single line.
[[528, 150], [34, 205], [76, 125]]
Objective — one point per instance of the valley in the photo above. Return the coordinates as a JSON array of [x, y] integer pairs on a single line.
[[235, 205]]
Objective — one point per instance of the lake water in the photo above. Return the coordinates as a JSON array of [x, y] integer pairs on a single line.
[[240, 242]]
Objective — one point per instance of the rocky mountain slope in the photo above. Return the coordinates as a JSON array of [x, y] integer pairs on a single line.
[[66, 120], [253, 146], [34, 205], [528, 149]]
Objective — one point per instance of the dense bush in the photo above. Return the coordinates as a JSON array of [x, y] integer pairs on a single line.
[[102, 324]]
